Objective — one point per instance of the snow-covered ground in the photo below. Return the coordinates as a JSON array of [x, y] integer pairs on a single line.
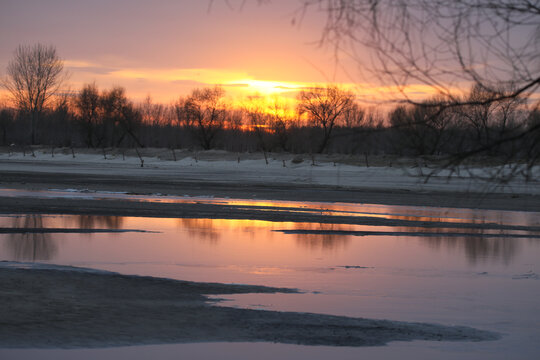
[[220, 166]]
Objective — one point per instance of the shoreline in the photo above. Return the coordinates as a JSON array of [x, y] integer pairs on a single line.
[[333, 178], [30, 180], [198, 210], [80, 308]]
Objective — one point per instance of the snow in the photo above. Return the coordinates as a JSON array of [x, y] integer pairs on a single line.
[[224, 167]]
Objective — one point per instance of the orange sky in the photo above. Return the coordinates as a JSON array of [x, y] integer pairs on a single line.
[[166, 48]]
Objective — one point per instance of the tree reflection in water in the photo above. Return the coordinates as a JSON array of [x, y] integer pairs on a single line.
[[479, 247], [322, 241], [93, 221], [210, 230], [475, 243], [203, 229], [31, 246], [41, 246]]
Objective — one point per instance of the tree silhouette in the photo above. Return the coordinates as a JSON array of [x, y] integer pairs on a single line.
[[88, 106], [205, 111], [449, 47], [34, 75], [323, 107]]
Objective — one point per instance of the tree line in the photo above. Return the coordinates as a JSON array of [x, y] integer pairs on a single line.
[[203, 119], [327, 119]]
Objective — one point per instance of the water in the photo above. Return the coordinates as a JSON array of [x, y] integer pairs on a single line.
[[485, 282]]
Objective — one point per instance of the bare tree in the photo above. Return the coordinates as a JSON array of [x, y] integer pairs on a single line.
[[205, 110], [354, 116], [155, 117], [60, 118], [87, 103], [258, 122], [447, 46], [323, 107], [33, 77], [421, 128], [280, 122], [491, 121], [120, 117], [7, 117], [153, 114], [357, 128], [440, 43]]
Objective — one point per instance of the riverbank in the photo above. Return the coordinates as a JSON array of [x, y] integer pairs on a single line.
[[216, 174]]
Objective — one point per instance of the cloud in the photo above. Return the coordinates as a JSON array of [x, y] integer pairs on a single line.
[[188, 83], [88, 67], [95, 70], [165, 81], [284, 87], [238, 85], [204, 76]]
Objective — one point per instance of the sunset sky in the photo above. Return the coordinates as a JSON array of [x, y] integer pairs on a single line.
[[165, 48]]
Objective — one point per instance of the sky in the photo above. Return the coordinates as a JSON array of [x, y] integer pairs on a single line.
[[165, 48]]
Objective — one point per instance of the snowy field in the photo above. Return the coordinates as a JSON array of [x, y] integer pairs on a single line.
[[219, 166]]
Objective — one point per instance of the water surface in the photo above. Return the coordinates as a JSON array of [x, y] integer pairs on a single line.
[[475, 280]]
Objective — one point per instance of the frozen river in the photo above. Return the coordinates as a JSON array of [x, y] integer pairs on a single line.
[[483, 276]]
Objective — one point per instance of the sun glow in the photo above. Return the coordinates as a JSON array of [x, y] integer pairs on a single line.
[[167, 84], [196, 75], [264, 87], [208, 77]]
